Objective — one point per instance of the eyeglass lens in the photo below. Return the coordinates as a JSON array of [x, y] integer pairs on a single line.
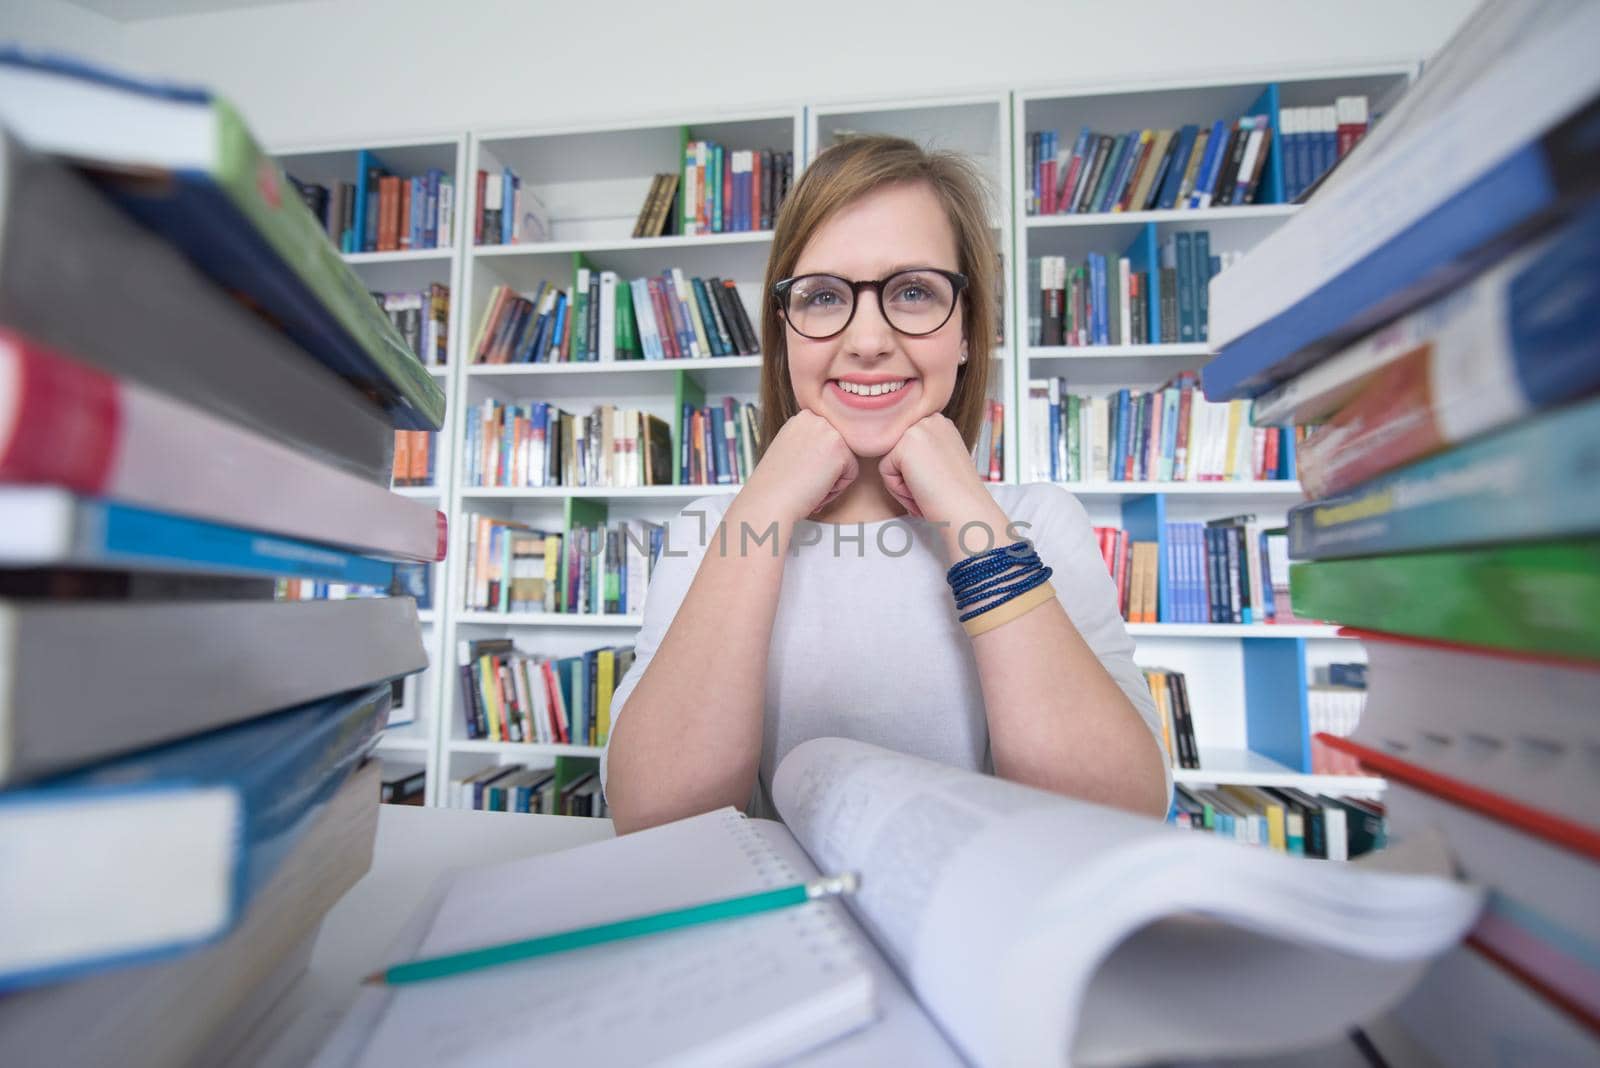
[[914, 302]]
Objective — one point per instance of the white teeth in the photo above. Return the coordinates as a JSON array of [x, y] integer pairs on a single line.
[[871, 391]]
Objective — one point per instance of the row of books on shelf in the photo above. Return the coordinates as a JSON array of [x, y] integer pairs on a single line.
[[382, 211], [1145, 170], [423, 318], [519, 788], [1105, 301], [1190, 167], [1283, 819], [404, 782], [1171, 434], [729, 190], [1231, 570], [513, 696], [415, 456], [512, 567], [534, 443], [414, 580], [1456, 510], [601, 318], [1171, 693]]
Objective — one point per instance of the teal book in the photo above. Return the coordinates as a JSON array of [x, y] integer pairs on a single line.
[[1539, 479], [151, 855]]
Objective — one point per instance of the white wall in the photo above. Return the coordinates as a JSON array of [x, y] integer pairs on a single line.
[[61, 27], [352, 69]]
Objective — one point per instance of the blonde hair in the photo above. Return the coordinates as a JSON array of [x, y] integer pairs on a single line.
[[840, 175]]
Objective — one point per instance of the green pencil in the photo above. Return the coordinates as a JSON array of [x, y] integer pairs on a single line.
[[472, 960]]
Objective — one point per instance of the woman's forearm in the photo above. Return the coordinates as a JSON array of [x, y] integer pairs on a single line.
[[689, 738]]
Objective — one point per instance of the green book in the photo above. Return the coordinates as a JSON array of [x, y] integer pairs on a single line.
[[197, 177], [580, 316], [627, 330], [1542, 597], [1074, 430]]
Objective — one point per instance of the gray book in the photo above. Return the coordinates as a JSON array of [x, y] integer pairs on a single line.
[[78, 275], [92, 679], [197, 1008]]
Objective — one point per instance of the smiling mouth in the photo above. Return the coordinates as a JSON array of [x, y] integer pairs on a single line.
[[879, 390]]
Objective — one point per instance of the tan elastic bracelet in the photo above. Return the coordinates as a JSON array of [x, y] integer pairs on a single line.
[[1005, 613]]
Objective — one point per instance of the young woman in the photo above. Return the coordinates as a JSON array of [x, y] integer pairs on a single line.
[[828, 596]]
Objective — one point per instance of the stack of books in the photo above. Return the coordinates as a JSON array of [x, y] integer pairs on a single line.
[[527, 443], [1226, 570], [519, 788], [184, 784], [1448, 356]]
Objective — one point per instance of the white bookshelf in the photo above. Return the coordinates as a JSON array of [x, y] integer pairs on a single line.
[[593, 179], [1225, 665], [396, 271]]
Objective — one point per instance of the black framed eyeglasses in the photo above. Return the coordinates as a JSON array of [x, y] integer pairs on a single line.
[[915, 302]]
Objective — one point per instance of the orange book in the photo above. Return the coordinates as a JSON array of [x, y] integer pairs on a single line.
[[420, 444], [388, 214], [402, 458]]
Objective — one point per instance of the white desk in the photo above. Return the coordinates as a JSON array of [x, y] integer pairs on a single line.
[[415, 848]]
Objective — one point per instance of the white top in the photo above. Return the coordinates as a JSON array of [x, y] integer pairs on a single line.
[[866, 643]]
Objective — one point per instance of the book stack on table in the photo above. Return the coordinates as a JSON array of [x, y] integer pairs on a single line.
[[198, 400], [1445, 354]]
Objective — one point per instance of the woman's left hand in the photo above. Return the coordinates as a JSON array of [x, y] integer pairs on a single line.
[[931, 473]]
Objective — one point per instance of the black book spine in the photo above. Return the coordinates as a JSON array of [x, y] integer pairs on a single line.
[[712, 288], [472, 710], [768, 186], [729, 299], [1242, 551], [1230, 165], [591, 326]]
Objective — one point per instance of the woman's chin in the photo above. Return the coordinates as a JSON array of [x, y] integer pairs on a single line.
[[871, 443]]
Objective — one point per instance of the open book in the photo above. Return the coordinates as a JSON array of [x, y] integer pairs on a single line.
[[995, 923]]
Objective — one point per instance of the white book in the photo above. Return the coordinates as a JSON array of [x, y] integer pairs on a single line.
[[1459, 120], [691, 310], [1039, 430], [608, 316], [1099, 441], [1026, 925], [447, 215]]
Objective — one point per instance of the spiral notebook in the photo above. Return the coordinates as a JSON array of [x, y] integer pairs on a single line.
[[748, 991]]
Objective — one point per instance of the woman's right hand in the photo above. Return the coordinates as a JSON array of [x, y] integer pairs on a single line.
[[807, 465]]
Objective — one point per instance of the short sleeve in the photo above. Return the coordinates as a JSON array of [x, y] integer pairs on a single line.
[[685, 539], [1065, 541]]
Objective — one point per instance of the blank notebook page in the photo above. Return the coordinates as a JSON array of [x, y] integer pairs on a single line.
[[745, 991]]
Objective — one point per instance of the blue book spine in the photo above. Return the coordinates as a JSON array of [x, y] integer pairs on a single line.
[[1056, 474], [127, 535], [1127, 152], [1197, 572], [1180, 163], [1080, 152], [282, 769], [1536, 480], [561, 327], [1119, 415], [1169, 433], [684, 427], [1437, 249], [1102, 189], [1202, 281], [1188, 299]]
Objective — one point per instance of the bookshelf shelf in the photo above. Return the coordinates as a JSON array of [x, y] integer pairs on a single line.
[[421, 493], [632, 244], [403, 743], [425, 616], [514, 370], [1234, 630], [439, 371], [523, 749], [1284, 490], [535, 493], [1246, 768], [409, 255], [547, 619], [1112, 352], [1178, 215]]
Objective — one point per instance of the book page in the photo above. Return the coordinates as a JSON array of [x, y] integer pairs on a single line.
[[1037, 928], [743, 991]]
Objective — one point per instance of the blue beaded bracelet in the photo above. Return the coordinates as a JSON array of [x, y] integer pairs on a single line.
[[995, 577], [1018, 589]]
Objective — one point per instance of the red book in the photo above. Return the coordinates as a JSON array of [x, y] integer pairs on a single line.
[[1063, 203], [664, 320], [477, 203], [557, 707], [75, 427], [1557, 830], [1049, 187], [403, 219], [388, 214]]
